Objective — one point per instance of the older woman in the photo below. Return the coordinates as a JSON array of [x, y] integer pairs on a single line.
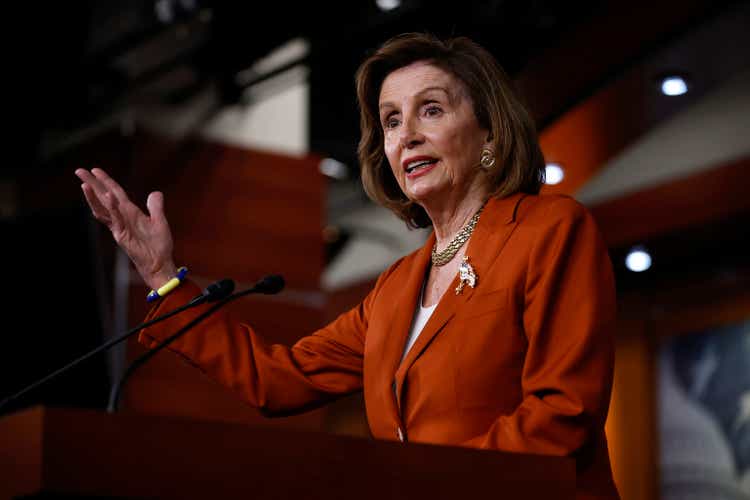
[[496, 334]]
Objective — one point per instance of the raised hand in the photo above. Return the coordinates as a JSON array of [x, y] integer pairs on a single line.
[[145, 238]]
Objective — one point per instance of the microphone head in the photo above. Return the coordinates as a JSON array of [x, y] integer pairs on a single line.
[[270, 285], [219, 290]]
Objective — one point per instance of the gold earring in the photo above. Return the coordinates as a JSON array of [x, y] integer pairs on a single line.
[[487, 160]]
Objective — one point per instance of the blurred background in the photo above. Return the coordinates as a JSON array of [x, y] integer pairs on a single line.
[[244, 115]]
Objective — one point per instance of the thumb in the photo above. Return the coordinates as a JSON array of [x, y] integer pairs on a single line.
[[155, 205]]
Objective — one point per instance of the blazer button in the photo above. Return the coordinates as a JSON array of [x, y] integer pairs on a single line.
[[400, 434]]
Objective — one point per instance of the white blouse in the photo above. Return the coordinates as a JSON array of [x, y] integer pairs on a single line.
[[421, 315]]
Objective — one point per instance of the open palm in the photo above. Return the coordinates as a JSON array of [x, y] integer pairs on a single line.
[[146, 238]]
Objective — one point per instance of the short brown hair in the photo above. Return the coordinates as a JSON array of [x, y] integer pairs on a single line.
[[519, 160]]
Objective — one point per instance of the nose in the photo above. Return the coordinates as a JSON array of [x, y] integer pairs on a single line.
[[410, 134]]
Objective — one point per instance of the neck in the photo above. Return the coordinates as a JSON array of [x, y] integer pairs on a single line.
[[447, 221]]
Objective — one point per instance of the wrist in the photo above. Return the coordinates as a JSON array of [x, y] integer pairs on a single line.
[[162, 276], [173, 282]]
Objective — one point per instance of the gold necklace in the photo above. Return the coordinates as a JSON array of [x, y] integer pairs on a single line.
[[443, 257]]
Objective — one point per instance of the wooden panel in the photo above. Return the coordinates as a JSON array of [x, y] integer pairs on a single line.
[[630, 427], [91, 454], [21, 453], [207, 400], [238, 213], [699, 199], [588, 135]]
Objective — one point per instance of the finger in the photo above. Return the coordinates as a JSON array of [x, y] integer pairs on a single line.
[[111, 185], [155, 205], [110, 202], [97, 209], [88, 178]]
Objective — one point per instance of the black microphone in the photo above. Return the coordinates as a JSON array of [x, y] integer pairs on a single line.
[[214, 292], [268, 285]]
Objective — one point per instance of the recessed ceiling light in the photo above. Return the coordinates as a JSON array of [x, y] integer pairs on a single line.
[[388, 4], [553, 174], [674, 85], [638, 260]]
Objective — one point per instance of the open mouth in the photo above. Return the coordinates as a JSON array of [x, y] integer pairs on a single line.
[[419, 165]]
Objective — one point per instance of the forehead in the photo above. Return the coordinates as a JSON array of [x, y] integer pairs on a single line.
[[415, 78]]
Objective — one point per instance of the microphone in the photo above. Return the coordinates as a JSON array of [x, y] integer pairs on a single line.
[[269, 285], [214, 292]]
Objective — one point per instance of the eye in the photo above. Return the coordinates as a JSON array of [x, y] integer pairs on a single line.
[[433, 110], [390, 122]]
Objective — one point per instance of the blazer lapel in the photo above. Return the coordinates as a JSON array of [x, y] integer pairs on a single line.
[[400, 324], [490, 235]]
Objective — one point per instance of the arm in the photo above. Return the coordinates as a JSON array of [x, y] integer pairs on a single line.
[[568, 319], [274, 378]]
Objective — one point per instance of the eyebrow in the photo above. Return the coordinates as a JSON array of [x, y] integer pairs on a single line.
[[425, 90]]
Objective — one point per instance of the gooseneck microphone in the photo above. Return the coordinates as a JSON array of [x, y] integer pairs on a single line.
[[213, 293], [268, 285]]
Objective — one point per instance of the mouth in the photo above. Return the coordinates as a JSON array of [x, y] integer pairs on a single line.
[[414, 165]]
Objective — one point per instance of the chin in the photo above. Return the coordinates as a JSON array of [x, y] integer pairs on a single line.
[[419, 196], [425, 194]]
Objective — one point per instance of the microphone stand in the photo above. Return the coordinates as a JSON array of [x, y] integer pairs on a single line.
[[195, 302], [114, 395], [268, 285]]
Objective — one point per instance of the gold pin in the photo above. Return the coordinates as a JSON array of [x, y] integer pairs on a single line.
[[466, 276]]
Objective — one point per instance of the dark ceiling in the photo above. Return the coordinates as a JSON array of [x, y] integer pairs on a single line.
[[79, 62]]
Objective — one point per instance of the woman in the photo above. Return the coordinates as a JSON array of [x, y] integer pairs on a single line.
[[496, 334]]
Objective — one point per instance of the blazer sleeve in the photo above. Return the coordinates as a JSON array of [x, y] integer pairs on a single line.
[[569, 319], [275, 378]]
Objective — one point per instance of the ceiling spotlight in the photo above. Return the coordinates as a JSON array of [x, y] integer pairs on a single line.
[[553, 174], [387, 5], [673, 85], [638, 260]]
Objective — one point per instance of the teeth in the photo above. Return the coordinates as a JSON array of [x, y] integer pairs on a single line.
[[414, 165]]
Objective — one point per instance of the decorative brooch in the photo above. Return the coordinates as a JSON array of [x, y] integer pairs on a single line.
[[466, 276]]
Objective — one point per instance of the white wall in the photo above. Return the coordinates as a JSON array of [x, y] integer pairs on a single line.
[[273, 115]]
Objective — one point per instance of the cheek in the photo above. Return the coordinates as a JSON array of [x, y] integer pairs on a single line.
[[391, 153], [465, 147], [389, 145]]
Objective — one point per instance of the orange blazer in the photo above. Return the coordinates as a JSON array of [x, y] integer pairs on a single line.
[[523, 362]]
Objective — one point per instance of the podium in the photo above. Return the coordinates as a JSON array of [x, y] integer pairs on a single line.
[[66, 453]]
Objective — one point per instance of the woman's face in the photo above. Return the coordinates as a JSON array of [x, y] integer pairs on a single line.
[[432, 138]]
